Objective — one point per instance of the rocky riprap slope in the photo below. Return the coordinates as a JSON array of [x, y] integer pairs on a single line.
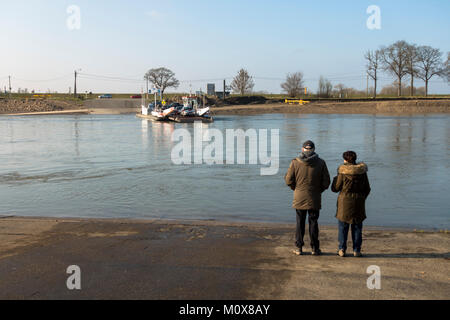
[[34, 105]]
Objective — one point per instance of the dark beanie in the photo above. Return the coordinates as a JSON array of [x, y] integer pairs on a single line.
[[309, 145]]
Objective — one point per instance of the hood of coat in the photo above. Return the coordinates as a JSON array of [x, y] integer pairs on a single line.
[[308, 158], [353, 169]]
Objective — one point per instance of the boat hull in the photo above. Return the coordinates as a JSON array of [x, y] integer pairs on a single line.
[[178, 119], [183, 119], [151, 117]]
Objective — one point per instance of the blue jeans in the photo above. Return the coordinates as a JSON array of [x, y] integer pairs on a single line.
[[356, 236]]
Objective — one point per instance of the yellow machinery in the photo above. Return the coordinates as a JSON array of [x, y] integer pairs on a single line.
[[299, 102]]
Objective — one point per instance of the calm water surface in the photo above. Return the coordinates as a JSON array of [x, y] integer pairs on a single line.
[[119, 166]]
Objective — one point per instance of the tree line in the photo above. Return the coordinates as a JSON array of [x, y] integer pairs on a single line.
[[163, 78], [401, 60]]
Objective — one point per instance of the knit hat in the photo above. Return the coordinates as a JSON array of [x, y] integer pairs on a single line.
[[309, 145]]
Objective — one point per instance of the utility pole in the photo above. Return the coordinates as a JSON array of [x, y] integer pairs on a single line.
[[146, 93], [224, 87], [75, 85], [367, 86], [9, 77]]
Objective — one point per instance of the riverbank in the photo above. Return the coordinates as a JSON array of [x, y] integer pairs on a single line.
[[155, 259], [131, 106], [27, 107], [32, 106], [356, 107]]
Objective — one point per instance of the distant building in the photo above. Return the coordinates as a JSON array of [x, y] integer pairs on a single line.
[[211, 89], [219, 94]]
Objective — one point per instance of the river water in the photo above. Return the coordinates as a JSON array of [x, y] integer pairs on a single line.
[[120, 166]]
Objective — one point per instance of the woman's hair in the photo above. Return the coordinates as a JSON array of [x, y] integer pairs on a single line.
[[350, 156]]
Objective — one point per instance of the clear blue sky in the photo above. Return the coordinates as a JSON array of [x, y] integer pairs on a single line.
[[201, 40]]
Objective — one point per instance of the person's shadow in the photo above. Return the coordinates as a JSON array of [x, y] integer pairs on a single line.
[[414, 255]]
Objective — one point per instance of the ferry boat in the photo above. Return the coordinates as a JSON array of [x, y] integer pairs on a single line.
[[155, 112], [191, 112]]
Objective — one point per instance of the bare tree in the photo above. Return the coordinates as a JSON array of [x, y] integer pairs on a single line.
[[394, 60], [391, 89], [325, 87], [243, 82], [294, 84], [340, 88], [328, 88], [446, 72], [322, 85], [373, 64], [162, 78], [411, 64], [429, 64]]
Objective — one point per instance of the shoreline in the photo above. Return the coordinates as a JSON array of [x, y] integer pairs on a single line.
[[366, 107], [124, 106], [46, 113], [224, 222], [161, 259]]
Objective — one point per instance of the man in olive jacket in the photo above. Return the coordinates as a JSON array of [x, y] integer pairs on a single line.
[[308, 176]]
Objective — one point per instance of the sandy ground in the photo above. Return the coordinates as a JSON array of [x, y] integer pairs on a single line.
[[114, 111], [113, 106], [46, 113], [377, 107], [78, 111], [154, 259]]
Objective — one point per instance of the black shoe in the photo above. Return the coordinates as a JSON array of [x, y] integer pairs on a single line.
[[316, 252]]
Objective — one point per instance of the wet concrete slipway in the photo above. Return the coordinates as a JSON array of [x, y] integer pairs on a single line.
[[125, 259]]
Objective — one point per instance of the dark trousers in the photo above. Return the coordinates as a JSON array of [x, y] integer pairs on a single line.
[[313, 217], [356, 236]]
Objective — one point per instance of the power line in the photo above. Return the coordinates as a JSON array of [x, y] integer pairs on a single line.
[[109, 77], [344, 77], [112, 80], [268, 78], [115, 78], [207, 80], [336, 77], [45, 80]]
